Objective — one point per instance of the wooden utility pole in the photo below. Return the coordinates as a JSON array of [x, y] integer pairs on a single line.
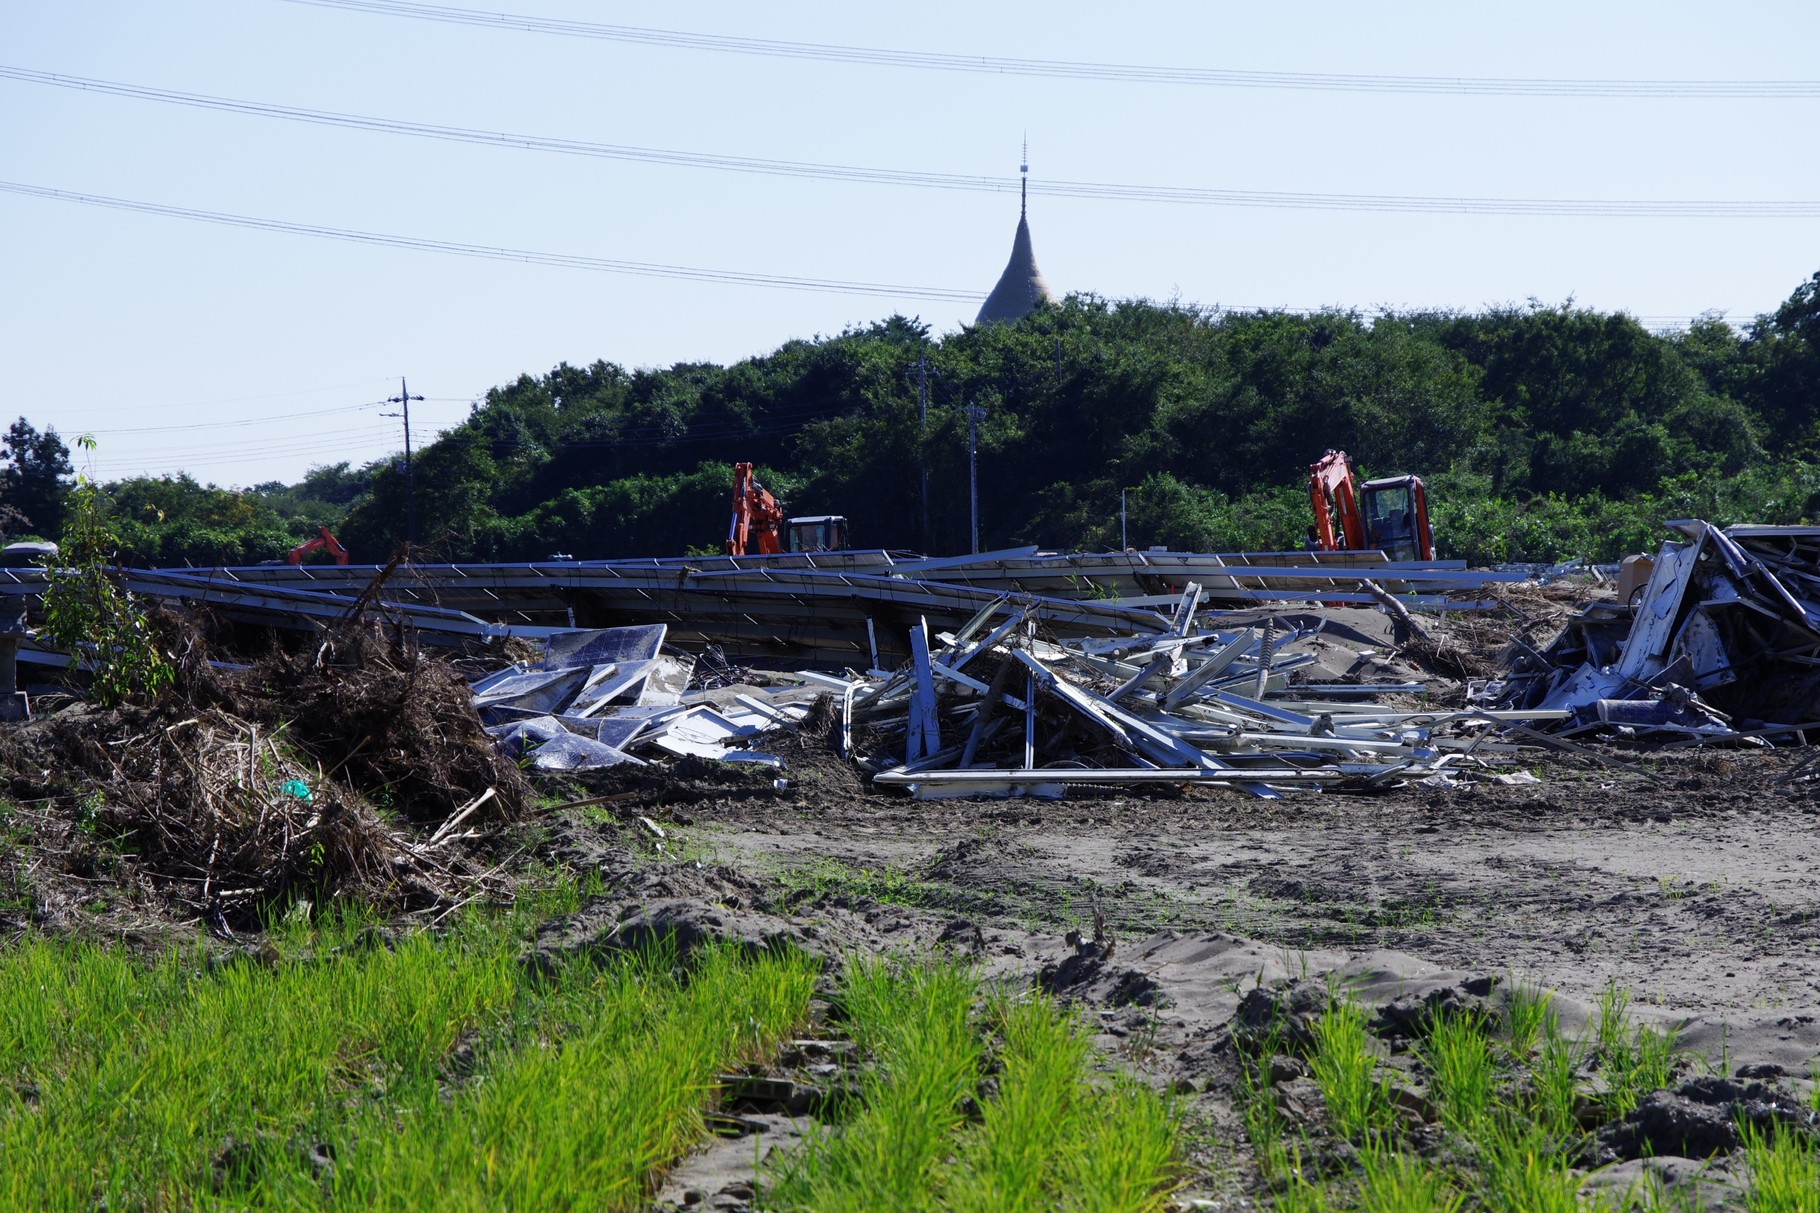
[[404, 398]]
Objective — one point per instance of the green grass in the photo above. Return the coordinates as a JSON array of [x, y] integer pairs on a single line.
[[1784, 1172], [1344, 1062], [1510, 1109], [435, 1074], [1634, 1059], [914, 1021], [1391, 1181], [1465, 1074], [1527, 1012], [826, 877], [1265, 1126], [1554, 1095], [1049, 1131], [1522, 1168]]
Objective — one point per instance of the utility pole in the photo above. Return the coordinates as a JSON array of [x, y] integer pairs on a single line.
[[921, 366], [975, 415], [404, 398]]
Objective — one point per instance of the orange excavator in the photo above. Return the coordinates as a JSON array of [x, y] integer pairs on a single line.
[[1388, 515], [324, 542], [759, 526]]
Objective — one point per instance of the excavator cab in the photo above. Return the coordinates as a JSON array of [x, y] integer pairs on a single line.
[[1396, 517], [823, 533]]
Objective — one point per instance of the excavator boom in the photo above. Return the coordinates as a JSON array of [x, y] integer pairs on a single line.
[[324, 542], [758, 517]]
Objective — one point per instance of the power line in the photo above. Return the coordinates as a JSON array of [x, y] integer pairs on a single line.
[[563, 260], [572, 261], [919, 179], [252, 443], [243, 454], [243, 421], [298, 441], [1128, 73], [194, 404]]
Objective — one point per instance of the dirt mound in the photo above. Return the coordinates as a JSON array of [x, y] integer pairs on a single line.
[[1287, 1013], [1089, 976], [684, 906], [1703, 1117], [812, 752]]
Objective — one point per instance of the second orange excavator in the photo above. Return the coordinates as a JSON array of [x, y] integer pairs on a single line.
[[759, 526], [1388, 515], [324, 542]]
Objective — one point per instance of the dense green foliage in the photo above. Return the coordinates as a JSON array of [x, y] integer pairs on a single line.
[[164, 521], [34, 481], [1543, 432]]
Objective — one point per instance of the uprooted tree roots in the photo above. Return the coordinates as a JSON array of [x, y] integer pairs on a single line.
[[356, 768], [386, 718]]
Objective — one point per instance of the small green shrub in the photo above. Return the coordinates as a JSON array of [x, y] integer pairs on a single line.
[[1345, 1065], [87, 612]]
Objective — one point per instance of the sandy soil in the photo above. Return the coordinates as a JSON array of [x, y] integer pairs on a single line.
[[1685, 877], [1695, 889]]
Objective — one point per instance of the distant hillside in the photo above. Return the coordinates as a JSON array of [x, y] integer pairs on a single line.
[[1543, 433]]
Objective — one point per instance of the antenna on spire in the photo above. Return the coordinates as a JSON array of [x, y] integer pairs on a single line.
[[1023, 187]]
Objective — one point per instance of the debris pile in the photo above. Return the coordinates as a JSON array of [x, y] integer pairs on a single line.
[[997, 709], [1723, 644], [355, 767], [385, 716], [594, 697]]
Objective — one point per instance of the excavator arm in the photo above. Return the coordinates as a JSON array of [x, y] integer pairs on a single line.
[[1335, 497], [758, 517], [324, 542]]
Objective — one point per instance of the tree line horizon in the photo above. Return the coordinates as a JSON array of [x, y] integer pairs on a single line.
[[1544, 433]]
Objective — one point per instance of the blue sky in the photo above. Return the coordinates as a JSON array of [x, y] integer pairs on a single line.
[[266, 347]]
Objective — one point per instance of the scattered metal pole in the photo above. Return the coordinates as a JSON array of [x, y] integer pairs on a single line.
[[1124, 542], [1264, 646], [924, 734], [1029, 702], [975, 414]]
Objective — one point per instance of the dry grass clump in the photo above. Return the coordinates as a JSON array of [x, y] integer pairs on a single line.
[[354, 767], [388, 718]]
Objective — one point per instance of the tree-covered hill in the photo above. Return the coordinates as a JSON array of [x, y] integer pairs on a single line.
[[1544, 432]]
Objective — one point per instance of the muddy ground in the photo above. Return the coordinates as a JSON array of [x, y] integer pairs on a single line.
[[1696, 888]]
